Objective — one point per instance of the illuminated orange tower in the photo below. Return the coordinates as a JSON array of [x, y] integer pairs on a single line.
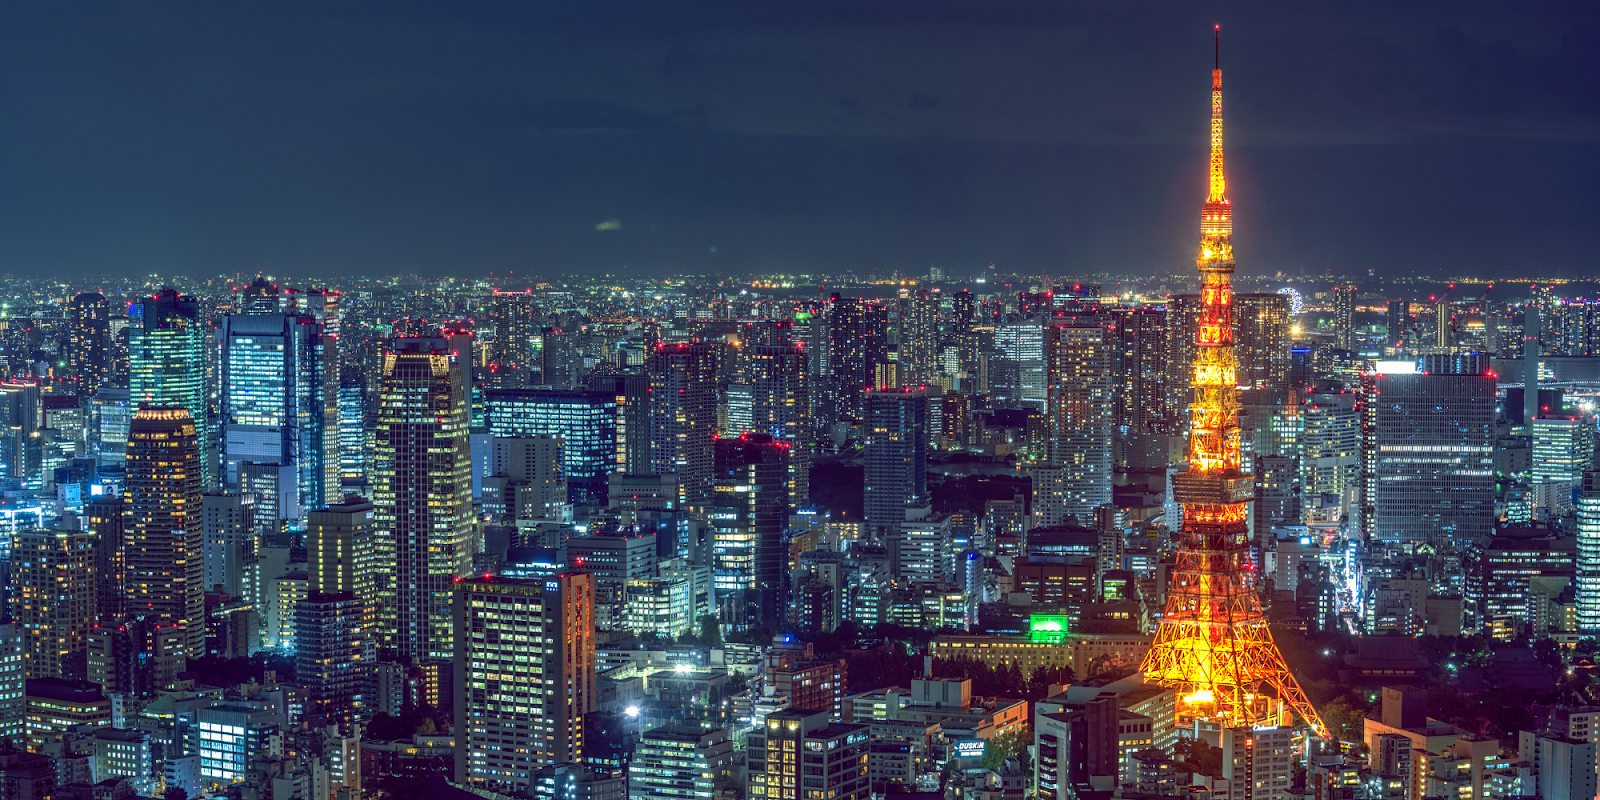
[[1213, 645]]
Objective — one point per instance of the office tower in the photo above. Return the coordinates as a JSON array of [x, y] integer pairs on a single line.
[[1344, 310], [858, 341], [796, 740], [511, 354], [1076, 476], [524, 676], [895, 427], [683, 409], [341, 551], [110, 412], [586, 423], [1213, 646], [280, 401], [525, 478], [780, 405], [103, 516], [20, 451], [680, 762], [1588, 568], [229, 530], [334, 656], [88, 341], [672, 604], [632, 393], [167, 343], [1330, 452], [1563, 450], [352, 426], [1261, 339], [1021, 346], [276, 490], [422, 496], [164, 526], [750, 511], [1429, 476], [53, 600], [919, 335], [1398, 317]]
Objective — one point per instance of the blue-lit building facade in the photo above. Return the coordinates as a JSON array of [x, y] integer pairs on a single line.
[[585, 420]]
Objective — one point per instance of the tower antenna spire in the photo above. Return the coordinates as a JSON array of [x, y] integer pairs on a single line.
[[1218, 32]]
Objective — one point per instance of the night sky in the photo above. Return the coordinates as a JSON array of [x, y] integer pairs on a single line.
[[451, 138]]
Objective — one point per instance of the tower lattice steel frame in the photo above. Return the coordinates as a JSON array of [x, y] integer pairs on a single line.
[[1213, 645]]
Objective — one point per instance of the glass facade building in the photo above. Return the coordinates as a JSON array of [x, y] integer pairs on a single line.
[[586, 421]]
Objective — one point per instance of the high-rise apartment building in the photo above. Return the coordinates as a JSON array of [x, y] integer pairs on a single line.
[[683, 407], [335, 654], [511, 355], [918, 334], [280, 402], [230, 541], [167, 365], [780, 405], [858, 341], [585, 421], [163, 524], [895, 429], [1344, 310], [422, 496], [1330, 452], [53, 600], [1261, 325], [524, 676], [749, 513], [1141, 403], [89, 341], [103, 516], [1076, 477], [1588, 568]]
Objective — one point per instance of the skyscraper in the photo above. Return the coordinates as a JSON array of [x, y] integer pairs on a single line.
[[511, 353], [422, 496], [1344, 310], [683, 406], [1261, 339], [858, 341], [895, 427], [632, 393], [780, 405], [1076, 477], [585, 421], [167, 365], [524, 676], [280, 401], [335, 654], [919, 335], [164, 555], [53, 600], [750, 511], [1430, 471], [1213, 646], [89, 341], [1588, 573]]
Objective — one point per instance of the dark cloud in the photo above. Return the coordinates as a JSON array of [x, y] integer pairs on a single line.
[[1042, 136]]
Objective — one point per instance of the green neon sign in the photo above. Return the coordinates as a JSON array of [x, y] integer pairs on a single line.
[[1048, 628]]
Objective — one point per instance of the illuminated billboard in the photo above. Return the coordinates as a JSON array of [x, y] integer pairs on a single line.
[[1048, 628]]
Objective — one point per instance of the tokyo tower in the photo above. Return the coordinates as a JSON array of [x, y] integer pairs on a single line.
[[1213, 645]]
